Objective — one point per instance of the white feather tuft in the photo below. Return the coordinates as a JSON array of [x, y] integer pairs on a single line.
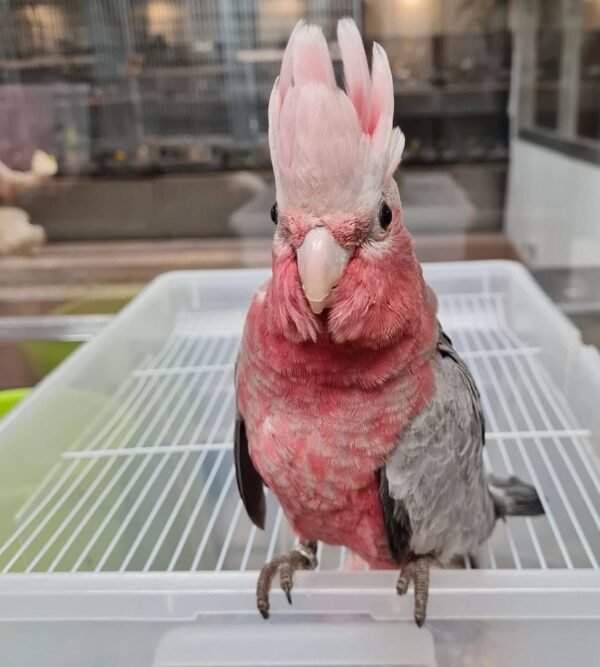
[[396, 149]]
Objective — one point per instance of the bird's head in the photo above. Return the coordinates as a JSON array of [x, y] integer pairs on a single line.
[[342, 260]]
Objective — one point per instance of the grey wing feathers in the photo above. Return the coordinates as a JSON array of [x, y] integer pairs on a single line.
[[512, 496], [446, 348], [435, 473]]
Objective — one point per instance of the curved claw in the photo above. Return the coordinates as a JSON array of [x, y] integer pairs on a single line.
[[286, 575], [402, 583], [264, 610]]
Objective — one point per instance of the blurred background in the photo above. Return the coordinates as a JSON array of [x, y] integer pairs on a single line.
[[155, 112]]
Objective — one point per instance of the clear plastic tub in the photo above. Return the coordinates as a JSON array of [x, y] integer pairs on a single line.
[[123, 541]]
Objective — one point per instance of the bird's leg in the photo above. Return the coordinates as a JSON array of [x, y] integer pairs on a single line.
[[304, 557], [417, 571]]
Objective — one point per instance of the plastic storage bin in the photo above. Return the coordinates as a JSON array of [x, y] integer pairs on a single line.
[[123, 541]]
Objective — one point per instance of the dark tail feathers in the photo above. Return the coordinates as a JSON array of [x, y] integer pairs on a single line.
[[512, 497]]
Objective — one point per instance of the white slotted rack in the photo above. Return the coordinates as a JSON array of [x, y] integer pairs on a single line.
[[149, 484]]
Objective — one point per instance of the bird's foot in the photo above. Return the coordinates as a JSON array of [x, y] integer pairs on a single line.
[[304, 557], [417, 571]]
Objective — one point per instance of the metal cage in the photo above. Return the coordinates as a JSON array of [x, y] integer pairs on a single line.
[[142, 82]]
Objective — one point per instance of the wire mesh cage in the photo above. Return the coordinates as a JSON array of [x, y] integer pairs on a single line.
[[169, 81]]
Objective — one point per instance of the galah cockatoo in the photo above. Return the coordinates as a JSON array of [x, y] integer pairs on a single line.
[[353, 406]]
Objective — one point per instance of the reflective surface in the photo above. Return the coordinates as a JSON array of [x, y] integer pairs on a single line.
[[156, 113]]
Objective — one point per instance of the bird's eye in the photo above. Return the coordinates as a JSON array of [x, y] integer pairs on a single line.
[[385, 216], [274, 213]]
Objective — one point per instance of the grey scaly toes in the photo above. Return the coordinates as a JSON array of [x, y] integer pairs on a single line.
[[302, 558], [417, 571]]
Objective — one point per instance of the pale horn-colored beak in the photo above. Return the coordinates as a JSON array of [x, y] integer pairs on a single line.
[[321, 262]]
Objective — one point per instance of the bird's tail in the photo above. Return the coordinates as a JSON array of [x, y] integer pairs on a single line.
[[512, 497]]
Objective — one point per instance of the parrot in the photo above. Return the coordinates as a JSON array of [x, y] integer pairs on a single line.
[[352, 406]]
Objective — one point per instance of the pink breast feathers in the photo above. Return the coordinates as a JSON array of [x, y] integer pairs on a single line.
[[318, 445]]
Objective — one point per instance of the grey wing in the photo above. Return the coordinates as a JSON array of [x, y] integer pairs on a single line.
[[434, 477], [446, 349], [249, 482]]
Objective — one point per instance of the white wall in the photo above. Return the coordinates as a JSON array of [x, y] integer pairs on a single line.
[[553, 207]]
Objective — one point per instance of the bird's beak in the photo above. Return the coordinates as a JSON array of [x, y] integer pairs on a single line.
[[321, 262]]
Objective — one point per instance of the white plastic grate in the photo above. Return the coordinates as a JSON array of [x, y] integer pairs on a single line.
[[150, 486]]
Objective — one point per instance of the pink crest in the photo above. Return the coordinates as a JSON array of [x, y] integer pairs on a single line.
[[326, 142]]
